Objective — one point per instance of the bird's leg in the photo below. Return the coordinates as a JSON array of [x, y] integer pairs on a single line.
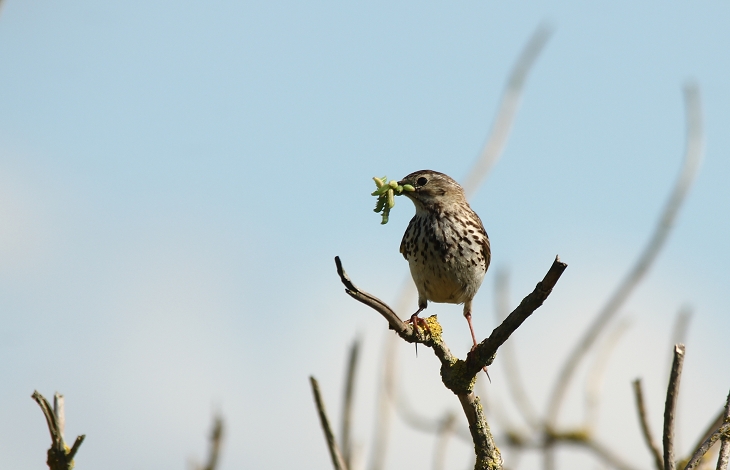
[[416, 320], [467, 315]]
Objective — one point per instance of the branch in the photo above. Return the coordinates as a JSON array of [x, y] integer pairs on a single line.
[[483, 354], [595, 374], [716, 423], [216, 442], [347, 402], [724, 457], [722, 432], [507, 110], [335, 454], [457, 375], [670, 407], [643, 420], [59, 456], [692, 158]]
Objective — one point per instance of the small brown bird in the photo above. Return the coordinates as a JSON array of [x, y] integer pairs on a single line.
[[445, 243]]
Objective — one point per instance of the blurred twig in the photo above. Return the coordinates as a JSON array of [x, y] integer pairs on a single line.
[[644, 421], [347, 403], [507, 110], [337, 460], [595, 375], [670, 407], [692, 158], [216, 442], [60, 457]]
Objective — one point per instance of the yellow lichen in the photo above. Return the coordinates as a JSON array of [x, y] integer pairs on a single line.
[[434, 327]]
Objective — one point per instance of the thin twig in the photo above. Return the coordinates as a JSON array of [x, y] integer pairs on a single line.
[[511, 366], [670, 407], [644, 421], [714, 425], [216, 442], [347, 403], [724, 457], [595, 375], [507, 110], [722, 431], [335, 454], [483, 354], [692, 158]]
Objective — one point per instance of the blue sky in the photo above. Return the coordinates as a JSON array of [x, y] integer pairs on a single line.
[[176, 178]]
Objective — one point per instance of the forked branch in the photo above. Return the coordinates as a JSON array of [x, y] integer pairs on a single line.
[[459, 375], [60, 457]]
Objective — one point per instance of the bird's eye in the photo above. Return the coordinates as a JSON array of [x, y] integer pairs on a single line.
[[421, 181]]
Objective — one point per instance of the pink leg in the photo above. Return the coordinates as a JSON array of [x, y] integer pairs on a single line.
[[467, 315]]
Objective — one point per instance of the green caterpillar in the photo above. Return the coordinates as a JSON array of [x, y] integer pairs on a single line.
[[386, 192]]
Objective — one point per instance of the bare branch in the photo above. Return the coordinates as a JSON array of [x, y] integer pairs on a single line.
[[335, 454], [714, 425], [347, 407], [457, 375], [670, 407], [483, 354], [722, 431], [724, 457], [644, 421], [216, 442], [692, 158], [507, 110], [59, 456], [595, 375]]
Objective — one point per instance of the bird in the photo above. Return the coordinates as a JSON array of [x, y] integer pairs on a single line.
[[445, 244]]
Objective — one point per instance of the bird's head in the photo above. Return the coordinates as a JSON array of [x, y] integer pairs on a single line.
[[433, 190]]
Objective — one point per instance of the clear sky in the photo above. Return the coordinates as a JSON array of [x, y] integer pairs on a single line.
[[176, 178]]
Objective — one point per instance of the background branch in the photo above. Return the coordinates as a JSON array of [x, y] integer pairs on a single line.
[[644, 421], [337, 460], [216, 442], [347, 403], [507, 110], [692, 158], [671, 405]]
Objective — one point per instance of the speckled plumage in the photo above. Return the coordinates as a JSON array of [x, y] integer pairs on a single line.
[[445, 243]]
